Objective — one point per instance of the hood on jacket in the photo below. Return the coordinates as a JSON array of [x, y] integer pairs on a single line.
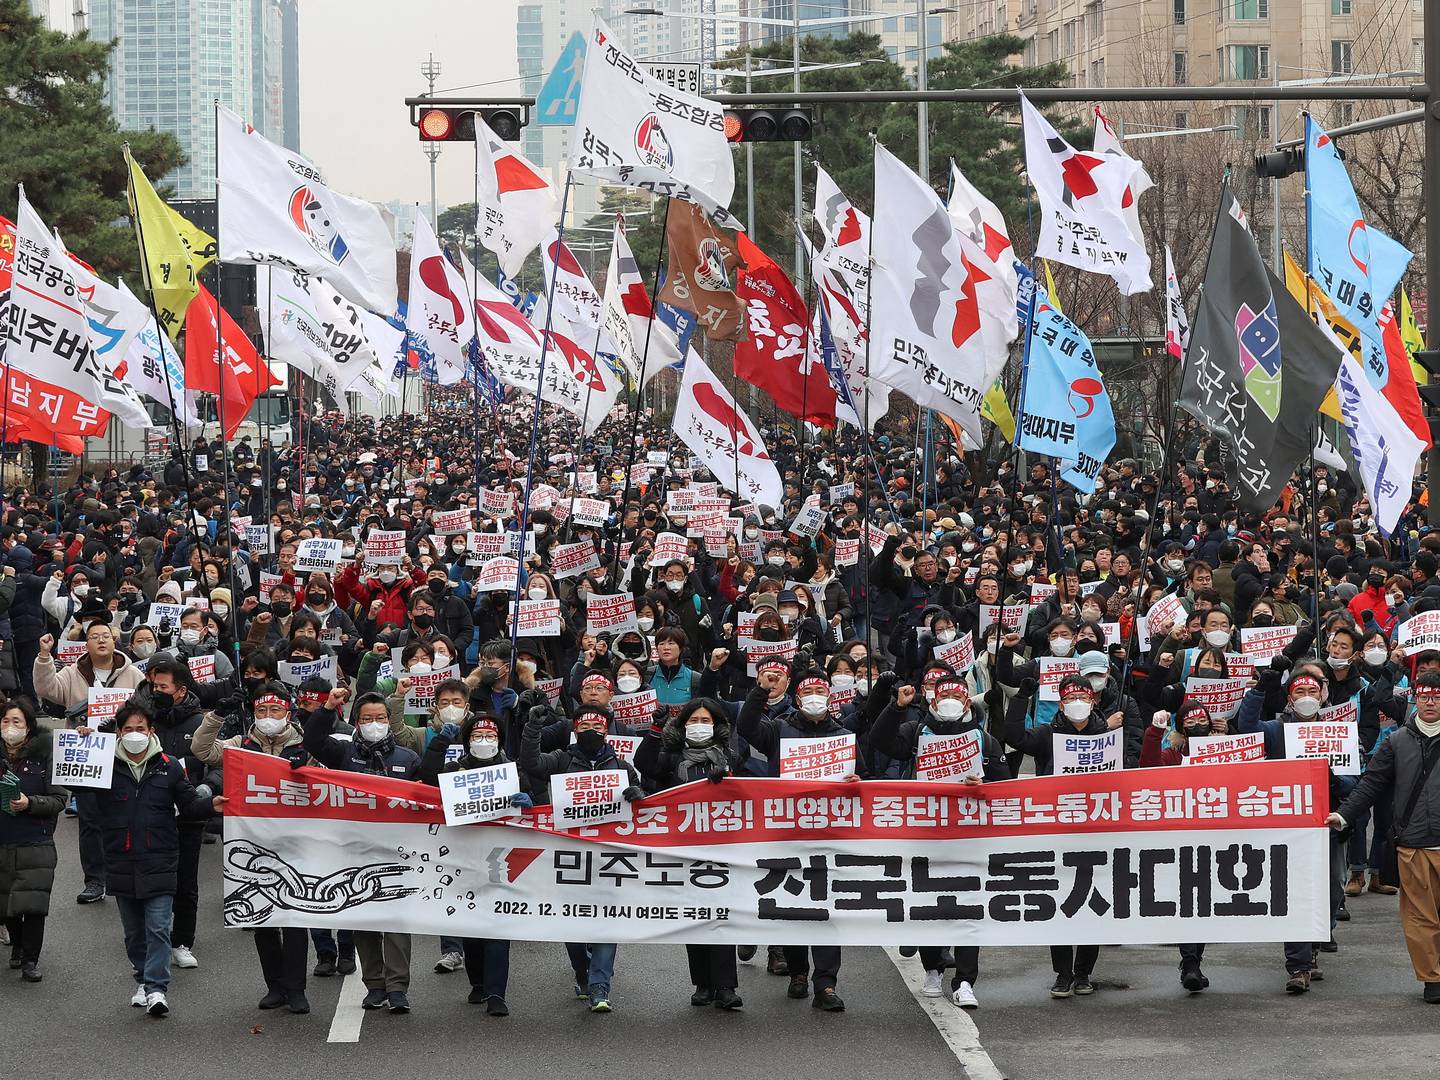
[[138, 767], [21, 558]]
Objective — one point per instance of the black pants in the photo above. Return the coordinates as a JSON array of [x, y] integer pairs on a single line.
[[92, 839], [1192, 952], [27, 935], [1074, 959], [712, 967], [284, 952], [25, 654], [827, 963], [487, 964], [967, 962], [187, 885]]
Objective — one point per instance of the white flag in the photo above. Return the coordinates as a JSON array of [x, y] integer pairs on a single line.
[[842, 278], [275, 209], [1108, 141], [1384, 447], [1177, 323], [310, 325], [642, 342], [438, 315], [940, 323], [45, 321], [1326, 453], [635, 130], [718, 432], [150, 363], [1082, 223], [116, 318], [515, 202], [981, 220]]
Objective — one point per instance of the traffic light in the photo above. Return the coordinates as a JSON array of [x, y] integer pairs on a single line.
[[1280, 163], [449, 124], [1429, 359], [767, 125]]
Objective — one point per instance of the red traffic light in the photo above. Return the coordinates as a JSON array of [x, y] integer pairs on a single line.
[[734, 128], [436, 125]]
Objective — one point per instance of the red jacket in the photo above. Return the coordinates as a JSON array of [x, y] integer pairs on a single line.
[[1155, 750], [394, 599], [1368, 599]]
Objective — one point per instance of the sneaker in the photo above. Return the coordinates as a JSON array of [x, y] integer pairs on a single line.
[[964, 996], [1328, 946], [1432, 993], [137, 999], [799, 987], [702, 997], [17, 957], [1082, 986], [345, 964], [726, 998], [599, 1002], [496, 1006], [828, 1000], [324, 966], [92, 894], [182, 957], [70, 808], [582, 992], [449, 962], [398, 1001], [934, 984], [1316, 975], [1191, 977], [1355, 884], [477, 996], [775, 962], [746, 953], [1378, 886], [156, 1005], [30, 972], [1064, 986], [375, 999], [297, 1002], [275, 999], [1298, 983], [1342, 914]]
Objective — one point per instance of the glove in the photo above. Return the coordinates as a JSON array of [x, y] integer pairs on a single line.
[[884, 685], [204, 791], [531, 698], [299, 762], [632, 793], [1027, 688], [538, 715], [522, 801], [229, 705], [718, 773], [450, 732]]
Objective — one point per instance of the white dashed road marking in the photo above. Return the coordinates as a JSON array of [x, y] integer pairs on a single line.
[[348, 1013], [953, 1023]]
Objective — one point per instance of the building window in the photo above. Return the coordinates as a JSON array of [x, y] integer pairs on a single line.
[[1069, 40], [1249, 10], [1342, 7], [1097, 73], [1179, 13], [1095, 20], [1248, 63], [1182, 69], [1341, 62], [1182, 119]]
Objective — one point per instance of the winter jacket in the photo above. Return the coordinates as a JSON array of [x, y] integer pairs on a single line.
[[896, 734], [354, 755], [660, 758], [394, 598], [1395, 770], [1036, 740], [69, 687], [210, 747], [27, 617], [537, 765], [764, 727], [27, 839]]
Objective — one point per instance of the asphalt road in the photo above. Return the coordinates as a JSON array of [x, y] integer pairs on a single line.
[[1365, 1015]]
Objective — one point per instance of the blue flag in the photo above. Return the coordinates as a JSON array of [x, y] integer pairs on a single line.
[[1067, 411], [1358, 267]]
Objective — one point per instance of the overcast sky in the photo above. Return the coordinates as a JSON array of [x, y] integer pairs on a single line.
[[359, 60]]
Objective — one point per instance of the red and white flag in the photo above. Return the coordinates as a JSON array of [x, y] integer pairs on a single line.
[[439, 304], [1108, 141], [842, 277], [244, 376], [1082, 199], [516, 205], [718, 432], [1177, 323], [980, 219], [643, 344]]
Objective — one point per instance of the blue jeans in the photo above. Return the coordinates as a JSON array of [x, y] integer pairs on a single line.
[[487, 965], [324, 942], [594, 965], [147, 939], [1362, 859], [451, 944]]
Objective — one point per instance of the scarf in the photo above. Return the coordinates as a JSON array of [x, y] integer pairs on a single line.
[[707, 756], [1428, 728], [375, 752]]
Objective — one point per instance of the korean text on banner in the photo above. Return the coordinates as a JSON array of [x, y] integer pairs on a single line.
[[86, 761], [484, 794], [589, 798]]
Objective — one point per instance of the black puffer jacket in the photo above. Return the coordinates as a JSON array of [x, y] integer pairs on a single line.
[[27, 844], [1395, 770], [137, 818]]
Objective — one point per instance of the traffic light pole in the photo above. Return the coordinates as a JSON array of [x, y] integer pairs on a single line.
[[1432, 222]]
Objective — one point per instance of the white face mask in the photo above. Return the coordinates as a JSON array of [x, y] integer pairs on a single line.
[[1062, 646], [270, 726], [945, 636], [189, 636], [1375, 656], [374, 731], [142, 650], [13, 736], [442, 660], [814, 704], [484, 749], [1174, 565], [1337, 662], [627, 684], [537, 592], [221, 610], [699, 734], [450, 714], [1077, 710], [1217, 638], [842, 681], [949, 708], [81, 590], [1305, 706], [1020, 569], [675, 586], [135, 742], [646, 623], [862, 686], [387, 577], [420, 667], [1097, 682]]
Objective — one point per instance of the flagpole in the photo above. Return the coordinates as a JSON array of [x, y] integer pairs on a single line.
[[535, 425], [224, 530], [265, 432], [4, 442]]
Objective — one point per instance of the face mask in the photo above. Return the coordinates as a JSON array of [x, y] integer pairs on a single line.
[[1375, 657], [1338, 662], [80, 590], [537, 592], [842, 681], [752, 533], [590, 742], [1305, 706], [813, 704], [212, 580], [270, 726], [1174, 565], [13, 736], [775, 564], [675, 586], [945, 636], [317, 599], [627, 684], [135, 742], [143, 650], [540, 530], [968, 547], [645, 623], [1196, 731], [699, 733], [1020, 569], [1061, 646], [789, 614], [221, 610], [1262, 620], [374, 731], [1097, 682], [387, 577], [420, 667], [862, 686], [484, 749], [450, 714], [1217, 638], [424, 622], [1077, 710], [281, 608], [949, 708], [189, 637]]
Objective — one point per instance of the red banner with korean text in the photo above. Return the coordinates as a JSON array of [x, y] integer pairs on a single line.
[[1212, 853]]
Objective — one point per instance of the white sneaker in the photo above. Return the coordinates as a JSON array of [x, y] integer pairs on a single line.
[[181, 957], [448, 962], [138, 998], [964, 996], [156, 1005], [934, 984]]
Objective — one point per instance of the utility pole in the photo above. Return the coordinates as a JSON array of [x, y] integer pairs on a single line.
[[795, 57], [922, 75], [1432, 221], [430, 70]]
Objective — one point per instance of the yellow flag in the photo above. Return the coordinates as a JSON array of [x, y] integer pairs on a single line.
[[172, 250], [995, 408], [1309, 296], [1411, 336], [1050, 289]]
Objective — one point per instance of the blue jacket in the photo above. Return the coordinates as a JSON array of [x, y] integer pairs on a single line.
[[140, 829], [1248, 720]]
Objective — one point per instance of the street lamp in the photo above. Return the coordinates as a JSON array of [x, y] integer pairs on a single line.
[[922, 73], [1178, 131]]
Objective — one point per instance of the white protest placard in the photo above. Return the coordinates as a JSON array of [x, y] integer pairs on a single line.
[[877, 538], [808, 521], [1333, 734], [1052, 670], [511, 543], [669, 546], [537, 618], [959, 654], [1419, 633], [1011, 617], [764, 650], [839, 492], [103, 703], [67, 652], [483, 794], [257, 538], [451, 522], [1239, 666], [639, 473], [1111, 630], [420, 698], [202, 668], [588, 482], [613, 614], [550, 688], [624, 746], [497, 504], [1221, 697], [1142, 633], [590, 511], [498, 574], [579, 799], [268, 581], [831, 757], [318, 554], [1225, 749], [948, 759], [1041, 591], [847, 552], [480, 546], [385, 547], [1087, 753], [680, 500], [163, 617], [633, 709], [1167, 611], [1263, 643], [82, 761], [572, 560], [295, 672]]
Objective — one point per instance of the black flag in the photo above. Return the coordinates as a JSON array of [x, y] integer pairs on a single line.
[[1258, 366]]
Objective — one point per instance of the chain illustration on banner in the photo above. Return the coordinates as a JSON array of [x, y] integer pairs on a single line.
[[267, 882]]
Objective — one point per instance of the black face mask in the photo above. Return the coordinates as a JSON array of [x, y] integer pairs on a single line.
[[437, 588], [253, 686], [281, 608], [1196, 730], [424, 622], [317, 599], [590, 743], [1262, 620], [1377, 582]]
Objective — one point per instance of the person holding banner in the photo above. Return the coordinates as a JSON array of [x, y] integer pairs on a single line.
[[32, 803], [192, 641], [383, 595], [696, 744]]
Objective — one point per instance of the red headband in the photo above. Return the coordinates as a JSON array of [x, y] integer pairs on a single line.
[[273, 699], [1305, 679], [1073, 691], [484, 723], [772, 662], [814, 682], [595, 678]]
